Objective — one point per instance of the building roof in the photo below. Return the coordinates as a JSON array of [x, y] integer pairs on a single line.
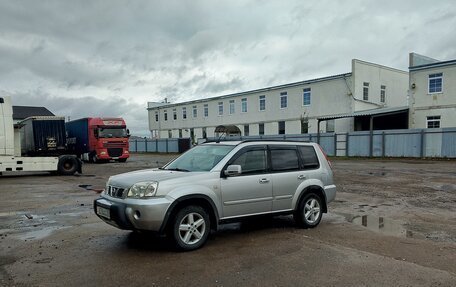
[[433, 65], [23, 112], [372, 112], [307, 82]]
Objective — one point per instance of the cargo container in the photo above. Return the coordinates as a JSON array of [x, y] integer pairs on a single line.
[[98, 139], [42, 137]]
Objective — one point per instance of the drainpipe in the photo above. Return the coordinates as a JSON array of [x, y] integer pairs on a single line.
[[371, 136]]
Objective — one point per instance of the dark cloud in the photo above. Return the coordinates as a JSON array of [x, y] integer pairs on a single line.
[[111, 57]]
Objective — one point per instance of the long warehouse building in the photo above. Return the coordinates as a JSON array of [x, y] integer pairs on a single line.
[[293, 108]]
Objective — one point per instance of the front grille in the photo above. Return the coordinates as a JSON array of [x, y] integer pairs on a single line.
[[115, 152], [116, 144], [114, 191]]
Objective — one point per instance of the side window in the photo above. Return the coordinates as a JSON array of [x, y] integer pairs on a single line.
[[284, 159], [309, 157], [252, 161]]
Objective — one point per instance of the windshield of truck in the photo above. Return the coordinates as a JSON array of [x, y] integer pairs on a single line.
[[112, 133], [200, 158]]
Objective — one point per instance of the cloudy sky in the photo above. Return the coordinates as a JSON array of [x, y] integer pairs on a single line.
[[109, 58]]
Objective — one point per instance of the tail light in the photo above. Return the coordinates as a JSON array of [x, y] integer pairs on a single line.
[[326, 156]]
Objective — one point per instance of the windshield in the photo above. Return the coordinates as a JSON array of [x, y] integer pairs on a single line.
[[200, 158], [112, 133]]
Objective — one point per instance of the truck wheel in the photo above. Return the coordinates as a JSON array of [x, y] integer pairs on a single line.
[[67, 165], [190, 228], [92, 158], [309, 212]]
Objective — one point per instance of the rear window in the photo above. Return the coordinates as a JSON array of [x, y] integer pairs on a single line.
[[309, 157], [284, 159]]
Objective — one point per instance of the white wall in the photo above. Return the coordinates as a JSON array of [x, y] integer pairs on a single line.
[[396, 82], [447, 117], [423, 104], [327, 98]]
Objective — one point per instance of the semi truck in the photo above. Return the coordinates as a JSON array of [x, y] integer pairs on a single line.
[[98, 139], [34, 144]]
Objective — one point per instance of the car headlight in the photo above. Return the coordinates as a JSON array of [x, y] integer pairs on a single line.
[[143, 189], [105, 191]]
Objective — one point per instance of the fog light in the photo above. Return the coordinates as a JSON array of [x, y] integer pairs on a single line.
[[137, 215], [103, 153]]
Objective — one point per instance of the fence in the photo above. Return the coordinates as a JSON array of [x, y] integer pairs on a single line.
[[159, 145], [387, 143]]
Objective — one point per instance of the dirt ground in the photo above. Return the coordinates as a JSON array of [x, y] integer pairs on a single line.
[[393, 223]]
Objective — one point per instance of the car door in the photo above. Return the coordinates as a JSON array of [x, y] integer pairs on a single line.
[[251, 191], [286, 175]]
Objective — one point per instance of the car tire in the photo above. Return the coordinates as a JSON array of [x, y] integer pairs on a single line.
[[190, 228], [309, 212], [67, 165], [122, 159]]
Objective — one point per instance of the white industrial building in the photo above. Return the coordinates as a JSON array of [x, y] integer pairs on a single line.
[[432, 92], [293, 108]]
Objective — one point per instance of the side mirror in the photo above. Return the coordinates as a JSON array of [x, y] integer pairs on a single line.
[[233, 170]]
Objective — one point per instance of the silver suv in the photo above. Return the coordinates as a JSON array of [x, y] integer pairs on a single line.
[[218, 182]]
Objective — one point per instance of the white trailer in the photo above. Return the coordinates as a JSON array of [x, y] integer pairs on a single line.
[[11, 159]]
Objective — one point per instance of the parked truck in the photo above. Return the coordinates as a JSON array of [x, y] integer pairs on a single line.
[[99, 139], [34, 144]]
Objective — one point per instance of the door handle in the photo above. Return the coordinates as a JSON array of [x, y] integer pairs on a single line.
[[301, 177], [264, 180]]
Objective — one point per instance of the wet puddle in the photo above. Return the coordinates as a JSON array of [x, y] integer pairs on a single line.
[[380, 224], [39, 234]]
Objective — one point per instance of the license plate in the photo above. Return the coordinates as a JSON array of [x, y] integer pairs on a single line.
[[103, 212]]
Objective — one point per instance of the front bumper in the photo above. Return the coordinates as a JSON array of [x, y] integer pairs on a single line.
[[133, 214], [106, 156]]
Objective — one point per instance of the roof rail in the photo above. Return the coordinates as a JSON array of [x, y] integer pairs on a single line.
[[274, 140], [257, 140]]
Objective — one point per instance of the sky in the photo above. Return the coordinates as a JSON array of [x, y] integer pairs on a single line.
[[109, 58]]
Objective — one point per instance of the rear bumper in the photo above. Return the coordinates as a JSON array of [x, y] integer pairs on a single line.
[[133, 214], [330, 191]]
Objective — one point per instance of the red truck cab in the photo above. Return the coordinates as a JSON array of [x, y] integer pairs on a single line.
[[99, 139]]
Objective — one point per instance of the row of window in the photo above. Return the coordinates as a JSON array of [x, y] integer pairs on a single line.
[[431, 122], [330, 127], [306, 99], [366, 92], [435, 83], [254, 160]]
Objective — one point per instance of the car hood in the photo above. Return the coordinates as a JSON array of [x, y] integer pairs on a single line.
[[126, 180]]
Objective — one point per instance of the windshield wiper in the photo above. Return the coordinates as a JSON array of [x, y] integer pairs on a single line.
[[178, 169]]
